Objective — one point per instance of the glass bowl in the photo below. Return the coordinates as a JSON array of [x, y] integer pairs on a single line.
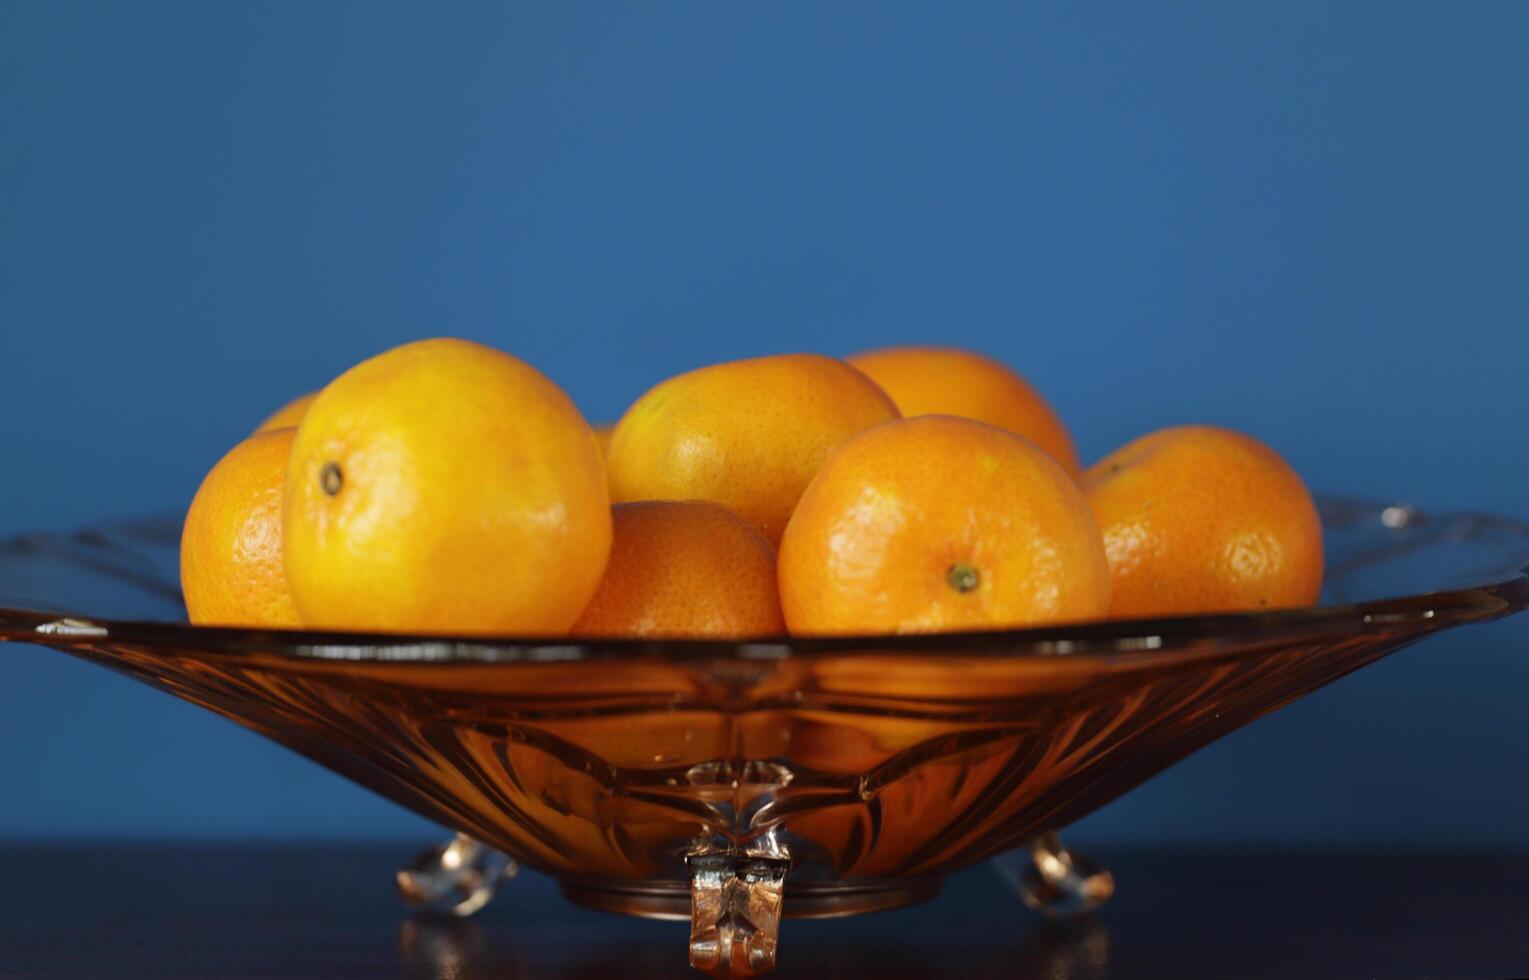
[[729, 783]]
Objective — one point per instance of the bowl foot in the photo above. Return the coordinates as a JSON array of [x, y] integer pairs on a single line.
[[456, 878], [735, 900], [1054, 880]]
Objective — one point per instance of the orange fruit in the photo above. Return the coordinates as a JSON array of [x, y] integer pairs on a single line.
[[748, 435], [950, 381], [603, 437], [444, 486], [290, 415], [231, 557], [1199, 519], [940, 523], [684, 568]]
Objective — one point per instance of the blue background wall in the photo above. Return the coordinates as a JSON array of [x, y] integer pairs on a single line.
[[1308, 221]]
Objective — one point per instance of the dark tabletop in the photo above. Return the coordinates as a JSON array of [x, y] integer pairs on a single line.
[[200, 910]]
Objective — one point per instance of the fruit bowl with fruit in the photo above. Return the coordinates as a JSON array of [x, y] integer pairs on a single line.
[[798, 638]]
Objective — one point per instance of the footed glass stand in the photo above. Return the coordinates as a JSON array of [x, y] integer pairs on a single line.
[[737, 899], [731, 783]]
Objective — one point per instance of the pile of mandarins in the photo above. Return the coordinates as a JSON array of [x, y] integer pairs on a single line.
[[447, 487]]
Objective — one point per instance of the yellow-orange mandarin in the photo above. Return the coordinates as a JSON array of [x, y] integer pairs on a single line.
[[748, 435], [445, 487]]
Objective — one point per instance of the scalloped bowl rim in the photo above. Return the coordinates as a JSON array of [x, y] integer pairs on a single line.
[[1135, 638]]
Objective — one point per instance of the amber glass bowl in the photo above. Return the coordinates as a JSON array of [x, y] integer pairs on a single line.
[[715, 781]]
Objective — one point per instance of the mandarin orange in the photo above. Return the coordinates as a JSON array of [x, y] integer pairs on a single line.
[[950, 381], [1199, 519], [940, 523], [290, 415], [231, 566], [684, 568], [444, 486], [603, 438], [748, 435]]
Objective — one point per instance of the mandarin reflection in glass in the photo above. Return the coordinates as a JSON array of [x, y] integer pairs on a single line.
[[733, 783]]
